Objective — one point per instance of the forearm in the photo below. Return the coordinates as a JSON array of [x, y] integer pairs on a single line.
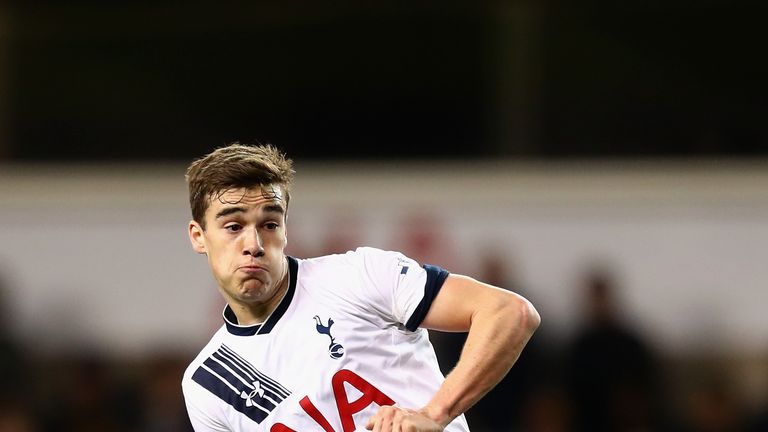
[[496, 338]]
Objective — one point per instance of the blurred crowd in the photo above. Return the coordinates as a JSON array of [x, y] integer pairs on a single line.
[[605, 376]]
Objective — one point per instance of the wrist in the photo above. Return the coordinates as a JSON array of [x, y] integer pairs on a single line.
[[438, 415]]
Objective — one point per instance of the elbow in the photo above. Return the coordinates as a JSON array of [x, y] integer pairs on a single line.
[[529, 316]]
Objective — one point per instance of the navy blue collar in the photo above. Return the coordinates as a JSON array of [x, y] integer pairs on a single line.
[[239, 330]]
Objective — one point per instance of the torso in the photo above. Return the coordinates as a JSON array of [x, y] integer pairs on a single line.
[[301, 372]]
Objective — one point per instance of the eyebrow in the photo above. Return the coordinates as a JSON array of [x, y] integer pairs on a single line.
[[228, 211], [274, 208], [270, 208]]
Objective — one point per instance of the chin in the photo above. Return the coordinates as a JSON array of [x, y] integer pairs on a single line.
[[252, 291]]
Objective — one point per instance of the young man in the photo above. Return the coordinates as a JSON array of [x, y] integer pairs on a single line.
[[335, 343]]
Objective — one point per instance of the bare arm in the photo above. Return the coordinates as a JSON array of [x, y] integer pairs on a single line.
[[499, 322]]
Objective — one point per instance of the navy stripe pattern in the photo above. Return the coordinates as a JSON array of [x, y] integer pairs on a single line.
[[435, 278], [238, 383]]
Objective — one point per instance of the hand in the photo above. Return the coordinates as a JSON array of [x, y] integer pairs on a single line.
[[396, 419]]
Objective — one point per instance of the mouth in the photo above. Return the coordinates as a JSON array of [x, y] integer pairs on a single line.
[[252, 269]]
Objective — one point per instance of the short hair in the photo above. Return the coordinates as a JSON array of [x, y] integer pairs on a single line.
[[236, 166]]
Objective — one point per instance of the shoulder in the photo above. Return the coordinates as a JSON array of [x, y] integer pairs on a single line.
[[351, 256], [355, 275], [206, 410], [359, 257], [364, 264], [204, 353], [372, 253]]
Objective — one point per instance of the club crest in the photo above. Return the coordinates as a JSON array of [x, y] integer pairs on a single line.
[[335, 350]]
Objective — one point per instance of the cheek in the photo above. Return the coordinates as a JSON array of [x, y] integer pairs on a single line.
[[218, 258], [280, 240]]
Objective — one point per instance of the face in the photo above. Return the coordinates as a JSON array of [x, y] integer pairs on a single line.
[[244, 239]]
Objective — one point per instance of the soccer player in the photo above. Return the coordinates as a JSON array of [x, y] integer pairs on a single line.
[[336, 343]]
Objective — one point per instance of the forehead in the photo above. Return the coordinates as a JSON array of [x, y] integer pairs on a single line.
[[249, 197]]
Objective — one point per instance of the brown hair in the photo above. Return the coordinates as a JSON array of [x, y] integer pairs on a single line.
[[236, 166]]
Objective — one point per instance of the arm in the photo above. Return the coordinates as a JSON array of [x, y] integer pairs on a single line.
[[499, 322]]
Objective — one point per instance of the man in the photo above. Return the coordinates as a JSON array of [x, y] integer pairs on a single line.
[[335, 343]]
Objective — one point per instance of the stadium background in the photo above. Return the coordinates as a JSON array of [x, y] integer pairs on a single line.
[[564, 150]]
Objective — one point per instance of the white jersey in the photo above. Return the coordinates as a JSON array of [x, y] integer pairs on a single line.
[[344, 341]]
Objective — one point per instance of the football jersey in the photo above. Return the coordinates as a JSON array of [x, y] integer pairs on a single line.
[[343, 341]]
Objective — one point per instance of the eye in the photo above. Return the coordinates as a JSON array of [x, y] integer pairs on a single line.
[[271, 226], [233, 227]]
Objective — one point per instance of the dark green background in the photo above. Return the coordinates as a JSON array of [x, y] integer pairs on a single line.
[[127, 80]]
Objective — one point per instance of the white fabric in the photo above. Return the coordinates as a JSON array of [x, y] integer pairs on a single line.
[[369, 296]]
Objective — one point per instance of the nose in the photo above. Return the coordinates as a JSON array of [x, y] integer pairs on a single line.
[[252, 244]]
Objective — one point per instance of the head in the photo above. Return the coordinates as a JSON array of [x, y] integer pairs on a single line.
[[236, 166], [601, 290], [239, 198]]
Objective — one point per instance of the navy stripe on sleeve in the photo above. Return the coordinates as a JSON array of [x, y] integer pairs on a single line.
[[436, 276], [240, 384]]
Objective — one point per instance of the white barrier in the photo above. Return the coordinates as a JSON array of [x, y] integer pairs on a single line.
[[97, 257]]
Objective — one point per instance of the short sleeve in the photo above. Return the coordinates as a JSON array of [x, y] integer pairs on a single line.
[[406, 287], [201, 420]]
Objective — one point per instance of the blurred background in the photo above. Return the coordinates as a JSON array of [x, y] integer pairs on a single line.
[[607, 160]]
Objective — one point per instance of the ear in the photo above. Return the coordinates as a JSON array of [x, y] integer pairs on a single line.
[[197, 237]]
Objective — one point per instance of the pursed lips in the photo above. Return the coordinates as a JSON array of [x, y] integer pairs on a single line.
[[252, 268]]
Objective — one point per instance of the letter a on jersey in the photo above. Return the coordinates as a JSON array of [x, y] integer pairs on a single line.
[[347, 409]]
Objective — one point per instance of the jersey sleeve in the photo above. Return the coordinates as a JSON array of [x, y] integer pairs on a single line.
[[200, 420], [405, 288]]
